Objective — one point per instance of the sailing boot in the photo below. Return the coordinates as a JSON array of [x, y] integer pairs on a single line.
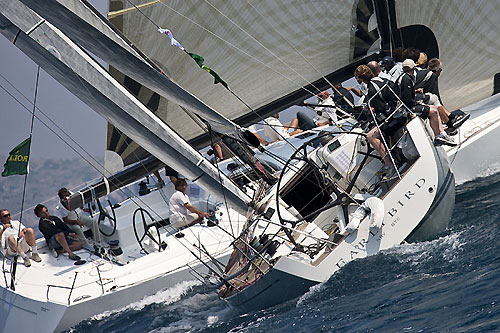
[[444, 139], [457, 118]]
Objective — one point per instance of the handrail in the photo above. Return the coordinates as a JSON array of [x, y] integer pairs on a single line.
[[63, 287], [73, 286]]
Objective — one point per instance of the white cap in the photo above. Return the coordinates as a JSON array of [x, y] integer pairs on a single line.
[[409, 64]]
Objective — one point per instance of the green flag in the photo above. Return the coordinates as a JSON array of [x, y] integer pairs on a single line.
[[199, 60], [17, 163], [215, 75]]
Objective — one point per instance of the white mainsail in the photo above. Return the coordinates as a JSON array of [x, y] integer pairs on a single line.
[[468, 37]]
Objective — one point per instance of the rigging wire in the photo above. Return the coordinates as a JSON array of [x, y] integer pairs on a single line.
[[391, 38], [68, 143], [140, 11], [263, 46], [276, 56], [13, 274], [234, 46], [292, 45]]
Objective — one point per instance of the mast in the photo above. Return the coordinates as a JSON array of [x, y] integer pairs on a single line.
[[86, 79]]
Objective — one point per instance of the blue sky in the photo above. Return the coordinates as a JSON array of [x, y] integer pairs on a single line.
[[68, 112]]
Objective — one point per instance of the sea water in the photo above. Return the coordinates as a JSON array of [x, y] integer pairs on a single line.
[[448, 284]]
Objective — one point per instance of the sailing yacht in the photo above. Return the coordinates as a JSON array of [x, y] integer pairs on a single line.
[[138, 253], [155, 102], [256, 38]]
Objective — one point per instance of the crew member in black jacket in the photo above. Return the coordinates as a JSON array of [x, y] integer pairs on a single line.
[[406, 85], [57, 234], [382, 101]]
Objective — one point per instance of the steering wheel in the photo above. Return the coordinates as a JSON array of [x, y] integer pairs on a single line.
[[143, 227], [103, 214]]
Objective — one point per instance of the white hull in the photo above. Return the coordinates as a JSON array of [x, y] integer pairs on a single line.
[[477, 153], [39, 316]]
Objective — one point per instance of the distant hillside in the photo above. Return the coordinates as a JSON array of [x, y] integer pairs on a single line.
[[46, 177]]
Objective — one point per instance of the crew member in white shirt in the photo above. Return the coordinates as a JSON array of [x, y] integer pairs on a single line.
[[182, 213], [274, 129], [9, 231], [325, 114], [76, 219]]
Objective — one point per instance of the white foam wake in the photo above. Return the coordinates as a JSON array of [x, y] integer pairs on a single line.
[[449, 247], [166, 297], [488, 171]]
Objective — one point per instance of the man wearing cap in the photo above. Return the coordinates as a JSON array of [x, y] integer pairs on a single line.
[[427, 91], [387, 63], [406, 84]]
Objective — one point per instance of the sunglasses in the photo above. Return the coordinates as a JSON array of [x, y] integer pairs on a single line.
[[4, 216]]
